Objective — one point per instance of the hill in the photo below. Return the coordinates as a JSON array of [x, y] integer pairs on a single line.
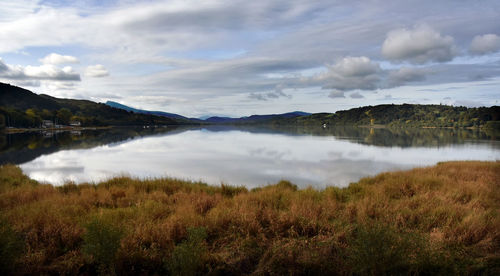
[[22, 108], [141, 111], [405, 115], [254, 119]]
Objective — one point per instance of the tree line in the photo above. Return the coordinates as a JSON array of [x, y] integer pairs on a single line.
[[405, 115]]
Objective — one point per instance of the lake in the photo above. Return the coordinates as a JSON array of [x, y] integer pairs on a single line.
[[251, 157]]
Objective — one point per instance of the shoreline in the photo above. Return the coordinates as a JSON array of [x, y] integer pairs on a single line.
[[68, 128], [376, 126]]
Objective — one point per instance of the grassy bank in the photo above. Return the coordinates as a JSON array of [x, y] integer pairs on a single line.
[[437, 220]]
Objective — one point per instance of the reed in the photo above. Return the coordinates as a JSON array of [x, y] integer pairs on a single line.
[[436, 220]]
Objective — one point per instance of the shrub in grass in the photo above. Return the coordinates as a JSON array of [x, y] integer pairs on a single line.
[[100, 243], [188, 256], [376, 249], [11, 247]]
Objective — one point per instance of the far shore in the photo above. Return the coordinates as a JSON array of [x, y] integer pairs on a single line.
[[12, 130], [65, 128]]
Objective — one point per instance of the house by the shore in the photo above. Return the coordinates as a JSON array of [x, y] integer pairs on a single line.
[[75, 123], [47, 124]]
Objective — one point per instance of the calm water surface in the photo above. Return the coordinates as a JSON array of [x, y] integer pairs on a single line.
[[249, 157]]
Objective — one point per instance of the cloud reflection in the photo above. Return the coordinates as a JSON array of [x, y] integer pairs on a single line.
[[243, 158]]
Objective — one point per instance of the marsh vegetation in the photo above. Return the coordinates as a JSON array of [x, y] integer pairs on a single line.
[[434, 220]]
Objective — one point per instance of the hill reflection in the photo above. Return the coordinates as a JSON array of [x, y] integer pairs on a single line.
[[23, 147]]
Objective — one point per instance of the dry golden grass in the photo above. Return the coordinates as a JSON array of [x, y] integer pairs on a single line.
[[439, 220]]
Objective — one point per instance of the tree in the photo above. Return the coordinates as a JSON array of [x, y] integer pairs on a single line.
[[33, 117], [64, 116], [47, 115], [2, 121]]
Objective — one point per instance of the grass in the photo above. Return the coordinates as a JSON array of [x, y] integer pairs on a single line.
[[436, 220]]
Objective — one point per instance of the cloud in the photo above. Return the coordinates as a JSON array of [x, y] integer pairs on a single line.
[[58, 59], [467, 103], [276, 94], [96, 71], [213, 54], [43, 72], [58, 86], [30, 83], [257, 96], [51, 72], [485, 44], [419, 45], [3, 66], [150, 28], [229, 77], [356, 95], [17, 9], [405, 75], [336, 94], [351, 73]]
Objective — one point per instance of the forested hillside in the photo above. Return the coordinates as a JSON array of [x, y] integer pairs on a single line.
[[22, 108], [406, 115]]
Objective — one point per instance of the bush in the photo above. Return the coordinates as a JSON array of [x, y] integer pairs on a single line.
[[492, 125], [377, 249], [11, 247], [188, 256], [101, 242], [12, 176]]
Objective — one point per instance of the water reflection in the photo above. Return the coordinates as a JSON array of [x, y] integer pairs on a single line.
[[250, 157], [23, 147]]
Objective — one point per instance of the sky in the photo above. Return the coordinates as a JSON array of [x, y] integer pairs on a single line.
[[237, 58]]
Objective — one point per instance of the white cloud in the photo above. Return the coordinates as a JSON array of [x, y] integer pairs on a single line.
[[336, 94], [58, 86], [419, 45], [229, 77], [11, 10], [50, 72], [485, 44], [217, 53], [43, 72], [96, 71], [58, 59], [351, 73]]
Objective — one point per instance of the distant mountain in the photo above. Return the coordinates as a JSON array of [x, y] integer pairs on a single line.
[[141, 111], [254, 119], [22, 108], [213, 119]]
